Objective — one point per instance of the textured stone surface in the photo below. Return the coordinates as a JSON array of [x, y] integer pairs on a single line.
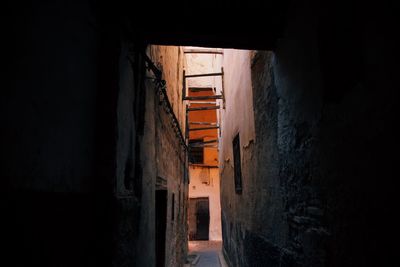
[[321, 181], [169, 156]]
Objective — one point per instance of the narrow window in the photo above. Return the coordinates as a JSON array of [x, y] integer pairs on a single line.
[[173, 207], [237, 164], [179, 206], [196, 151]]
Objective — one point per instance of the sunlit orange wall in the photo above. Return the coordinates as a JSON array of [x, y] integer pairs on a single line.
[[210, 154]]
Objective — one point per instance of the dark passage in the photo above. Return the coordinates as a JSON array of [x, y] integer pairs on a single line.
[[161, 221], [202, 218], [92, 116], [199, 218]]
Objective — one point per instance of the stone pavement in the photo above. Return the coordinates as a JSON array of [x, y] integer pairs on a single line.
[[208, 252]]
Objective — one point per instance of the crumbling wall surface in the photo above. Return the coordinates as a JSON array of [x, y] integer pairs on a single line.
[[238, 209], [170, 60], [147, 148], [324, 111], [169, 162]]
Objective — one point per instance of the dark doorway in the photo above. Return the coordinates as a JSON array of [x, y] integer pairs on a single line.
[[161, 222], [199, 218]]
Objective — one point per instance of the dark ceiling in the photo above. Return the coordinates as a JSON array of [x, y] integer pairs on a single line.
[[252, 24]]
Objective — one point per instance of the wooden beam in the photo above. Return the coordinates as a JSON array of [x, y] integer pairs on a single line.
[[201, 89], [210, 146], [204, 128], [183, 87], [204, 75], [205, 142], [203, 102], [203, 51], [203, 97], [202, 123], [202, 108]]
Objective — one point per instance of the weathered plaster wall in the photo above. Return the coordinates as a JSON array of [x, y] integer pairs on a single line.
[[147, 148], [166, 157], [238, 210], [323, 169], [171, 61]]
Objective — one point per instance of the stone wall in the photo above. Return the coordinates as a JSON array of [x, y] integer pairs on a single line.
[[148, 149], [169, 161], [323, 178]]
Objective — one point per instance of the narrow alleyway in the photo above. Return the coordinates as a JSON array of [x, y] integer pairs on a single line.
[[145, 134], [206, 254]]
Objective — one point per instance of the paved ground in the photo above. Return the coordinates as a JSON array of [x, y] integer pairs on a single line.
[[208, 251]]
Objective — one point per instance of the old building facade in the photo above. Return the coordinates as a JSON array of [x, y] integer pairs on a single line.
[[164, 161], [203, 93]]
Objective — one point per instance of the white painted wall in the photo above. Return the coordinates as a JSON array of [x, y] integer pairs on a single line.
[[212, 191]]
